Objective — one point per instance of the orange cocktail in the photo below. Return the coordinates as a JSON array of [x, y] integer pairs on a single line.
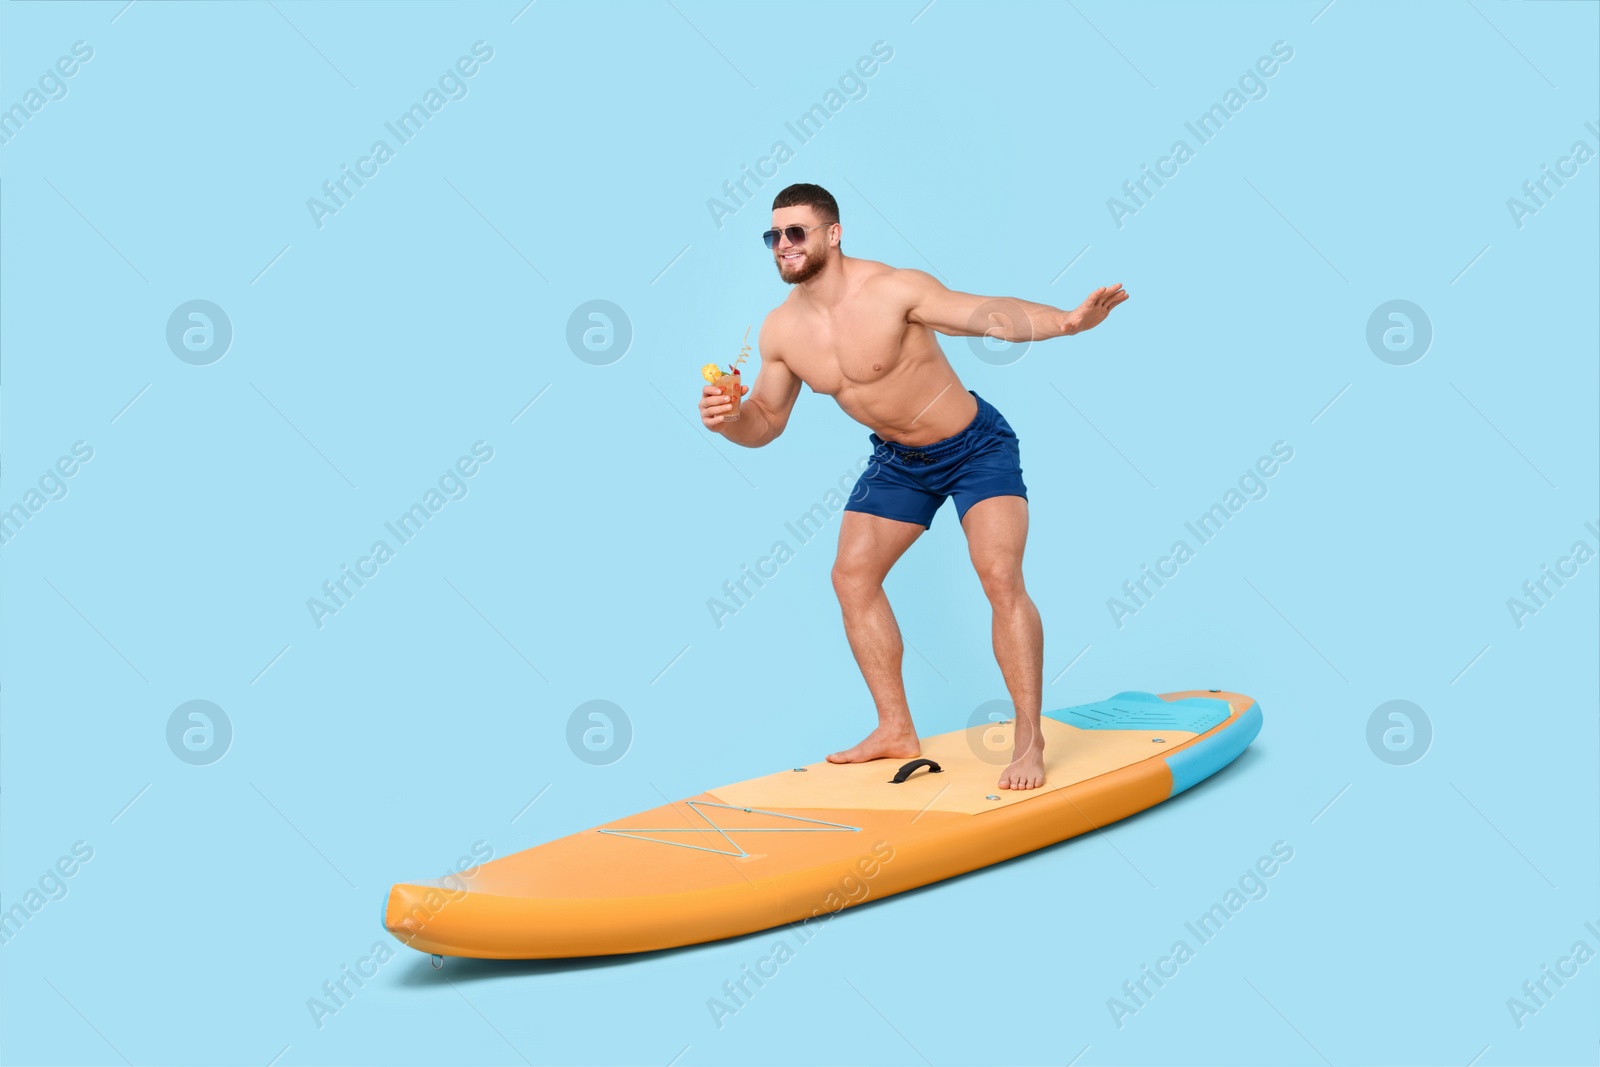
[[729, 384]]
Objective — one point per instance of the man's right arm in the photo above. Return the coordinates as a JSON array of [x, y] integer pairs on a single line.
[[764, 410]]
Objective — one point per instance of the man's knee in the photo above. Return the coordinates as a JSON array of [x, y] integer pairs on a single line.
[[1002, 582], [852, 581]]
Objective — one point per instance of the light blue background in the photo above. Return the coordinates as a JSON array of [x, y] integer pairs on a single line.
[[370, 353]]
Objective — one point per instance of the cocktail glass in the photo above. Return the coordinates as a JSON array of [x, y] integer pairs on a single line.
[[729, 384]]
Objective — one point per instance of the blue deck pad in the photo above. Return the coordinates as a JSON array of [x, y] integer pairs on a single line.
[[1146, 711]]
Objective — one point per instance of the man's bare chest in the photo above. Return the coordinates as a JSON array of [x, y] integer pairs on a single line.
[[832, 353]]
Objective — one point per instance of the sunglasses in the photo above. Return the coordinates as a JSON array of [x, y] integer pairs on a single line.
[[795, 234]]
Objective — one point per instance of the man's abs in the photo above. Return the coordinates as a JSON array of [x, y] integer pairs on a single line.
[[924, 404]]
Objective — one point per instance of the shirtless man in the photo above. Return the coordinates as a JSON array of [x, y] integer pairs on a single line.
[[862, 333]]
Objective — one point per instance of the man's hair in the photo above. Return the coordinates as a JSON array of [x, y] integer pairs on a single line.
[[812, 196]]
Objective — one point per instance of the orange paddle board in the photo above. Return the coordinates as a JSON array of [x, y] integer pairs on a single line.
[[801, 844]]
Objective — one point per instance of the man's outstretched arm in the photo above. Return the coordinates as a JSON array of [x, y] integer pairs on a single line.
[[930, 304]]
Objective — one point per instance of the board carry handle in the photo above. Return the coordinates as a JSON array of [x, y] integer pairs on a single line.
[[909, 769]]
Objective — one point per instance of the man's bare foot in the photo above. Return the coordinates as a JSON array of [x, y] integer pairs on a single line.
[[1026, 771], [886, 742]]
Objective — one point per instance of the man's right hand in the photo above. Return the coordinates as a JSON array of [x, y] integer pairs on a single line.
[[714, 404]]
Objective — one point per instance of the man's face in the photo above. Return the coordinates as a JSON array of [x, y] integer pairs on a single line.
[[798, 263]]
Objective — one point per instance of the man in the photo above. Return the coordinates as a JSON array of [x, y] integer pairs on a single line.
[[862, 333]]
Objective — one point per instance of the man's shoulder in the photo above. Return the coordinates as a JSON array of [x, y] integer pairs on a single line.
[[896, 286], [769, 339], [779, 316], [876, 271], [886, 276]]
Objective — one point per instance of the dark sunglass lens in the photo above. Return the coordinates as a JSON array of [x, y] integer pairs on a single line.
[[796, 235], [770, 238]]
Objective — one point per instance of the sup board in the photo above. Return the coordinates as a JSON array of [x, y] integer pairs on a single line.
[[802, 844]]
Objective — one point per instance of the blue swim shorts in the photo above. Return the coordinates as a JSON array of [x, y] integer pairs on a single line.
[[910, 484]]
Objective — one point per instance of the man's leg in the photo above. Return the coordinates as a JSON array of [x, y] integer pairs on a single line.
[[868, 547], [997, 528]]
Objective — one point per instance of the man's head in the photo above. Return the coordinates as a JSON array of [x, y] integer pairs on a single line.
[[814, 209]]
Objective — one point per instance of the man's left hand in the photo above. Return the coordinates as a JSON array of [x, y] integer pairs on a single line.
[[1093, 311]]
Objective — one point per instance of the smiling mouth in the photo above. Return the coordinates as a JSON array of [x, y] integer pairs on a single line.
[[790, 257]]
